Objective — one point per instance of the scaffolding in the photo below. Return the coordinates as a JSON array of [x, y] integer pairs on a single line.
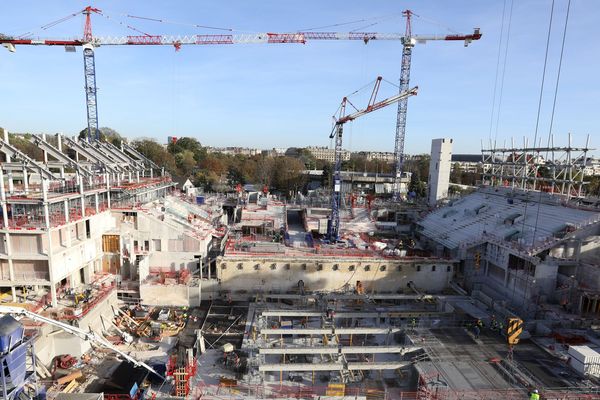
[[552, 169]]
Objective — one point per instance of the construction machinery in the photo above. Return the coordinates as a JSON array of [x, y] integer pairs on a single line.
[[333, 225], [90, 336], [88, 42], [408, 42]]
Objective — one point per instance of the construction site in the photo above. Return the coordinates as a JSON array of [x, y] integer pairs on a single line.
[[117, 283]]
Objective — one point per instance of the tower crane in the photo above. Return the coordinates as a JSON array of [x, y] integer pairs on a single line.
[[408, 42], [333, 226], [89, 42]]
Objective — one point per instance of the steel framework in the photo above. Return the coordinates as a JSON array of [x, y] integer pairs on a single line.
[[552, 169], [402, 108]]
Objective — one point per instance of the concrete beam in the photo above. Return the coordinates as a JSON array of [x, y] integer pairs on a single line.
[[345, 314], [301, 367], [370, 296], [304, 367], [337, 350], [330, 331], [377, 365]]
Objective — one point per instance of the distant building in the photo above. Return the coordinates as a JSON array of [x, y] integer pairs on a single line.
[[234, 151], [439, 169], [385, 156], [467, 162], [591, 166], [327, 154], [274, 152]]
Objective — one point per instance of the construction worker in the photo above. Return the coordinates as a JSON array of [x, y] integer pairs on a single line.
[[534, 395], [413, 323], [476, 331], [493, 323]]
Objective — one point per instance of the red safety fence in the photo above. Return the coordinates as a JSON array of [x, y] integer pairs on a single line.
[[99, 297]]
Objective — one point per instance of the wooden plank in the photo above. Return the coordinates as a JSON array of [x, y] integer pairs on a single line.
[[71, 377], [71, 386]]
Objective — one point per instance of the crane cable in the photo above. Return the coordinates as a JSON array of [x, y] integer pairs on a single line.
[[539, 108], [562, 50], [497, 69], [504, 69], [166, 21], [50, 24]]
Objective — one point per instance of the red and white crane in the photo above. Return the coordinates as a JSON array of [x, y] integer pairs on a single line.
[[333, 226], [89, 42]]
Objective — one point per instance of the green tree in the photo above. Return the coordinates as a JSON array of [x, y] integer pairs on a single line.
[[188, 143], [593, 185], [106, 134], [417, 186], [307, 158], [185, 162], [456, 173], [156, 153]]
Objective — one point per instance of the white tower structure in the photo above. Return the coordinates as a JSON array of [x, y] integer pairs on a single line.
[[439, 170]]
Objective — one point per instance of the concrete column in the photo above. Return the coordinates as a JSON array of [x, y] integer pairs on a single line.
[[53, 297], [45, 200], [11, 188], [96, 200], [61, 169], [25, 181], [80, 183], [129, 176], [107, 178], [88, 272], [45, 152], [3, 199], [151, 172], [11, 268], [11, 272], [66, 208], [137, 176]]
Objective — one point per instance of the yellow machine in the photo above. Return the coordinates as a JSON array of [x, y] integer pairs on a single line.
[[513, 330]]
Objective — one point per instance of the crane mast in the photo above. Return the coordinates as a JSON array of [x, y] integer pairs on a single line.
[[408, 42], [333, 225], [402, 108], [89, 73]]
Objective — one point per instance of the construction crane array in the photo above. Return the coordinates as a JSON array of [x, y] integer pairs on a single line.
[[88, 42], [333, 226]]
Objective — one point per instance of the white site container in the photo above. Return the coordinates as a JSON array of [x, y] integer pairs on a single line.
[[584, 360]]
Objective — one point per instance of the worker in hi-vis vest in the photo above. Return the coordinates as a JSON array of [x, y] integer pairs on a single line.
[[534, 395]]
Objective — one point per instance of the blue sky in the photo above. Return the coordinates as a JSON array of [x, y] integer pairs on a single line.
[[284, 95]]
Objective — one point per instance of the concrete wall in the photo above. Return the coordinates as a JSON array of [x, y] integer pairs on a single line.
[[439, 169], [242, 275], [50, 344], [165, 295], [173, 261], [81, 250]]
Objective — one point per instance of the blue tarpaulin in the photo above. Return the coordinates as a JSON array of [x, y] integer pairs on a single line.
[[16, 363]]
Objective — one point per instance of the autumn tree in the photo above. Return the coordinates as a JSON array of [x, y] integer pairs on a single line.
[[157, 153]]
